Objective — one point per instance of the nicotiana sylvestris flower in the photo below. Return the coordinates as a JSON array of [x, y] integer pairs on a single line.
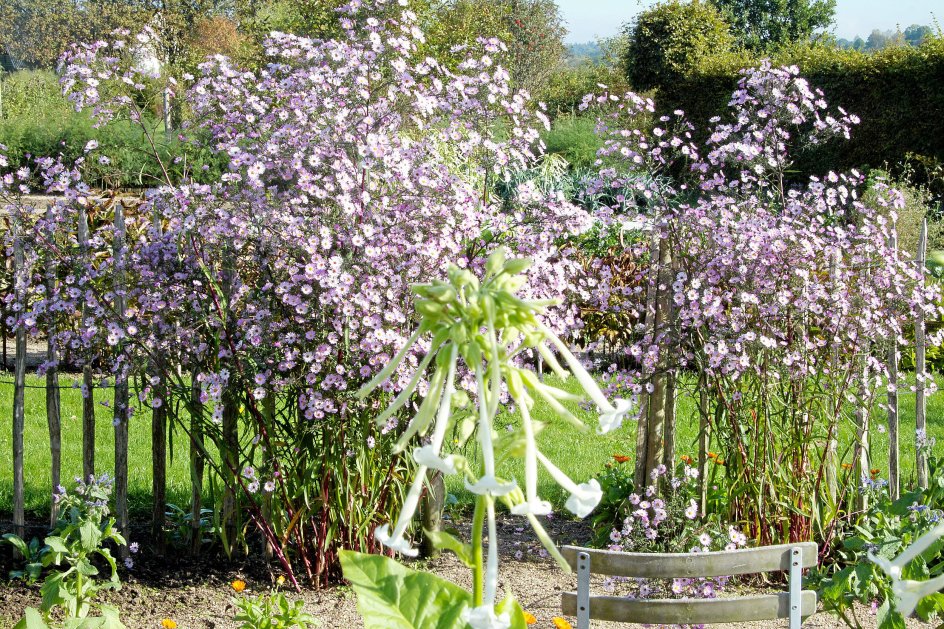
[[486, 325], [909, 593]]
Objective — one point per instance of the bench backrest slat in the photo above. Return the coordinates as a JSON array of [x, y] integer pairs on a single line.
[[678, 612], [716, 564]]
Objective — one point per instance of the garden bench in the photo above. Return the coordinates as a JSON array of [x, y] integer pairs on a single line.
[[795, 604]]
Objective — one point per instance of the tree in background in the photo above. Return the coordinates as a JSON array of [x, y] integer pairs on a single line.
[[667, 41], [767, 25], [533, 30]]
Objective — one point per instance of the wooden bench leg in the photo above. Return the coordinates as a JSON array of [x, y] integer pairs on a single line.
[[796, 586]]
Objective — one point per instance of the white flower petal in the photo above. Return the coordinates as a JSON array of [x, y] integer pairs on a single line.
[[484, 618], [582, 502], [489, 485], [613, 419], [402, 546], [427, 457], [532, 507]]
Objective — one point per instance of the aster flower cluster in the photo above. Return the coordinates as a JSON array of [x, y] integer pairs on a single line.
[[356, 168], [777, 288]]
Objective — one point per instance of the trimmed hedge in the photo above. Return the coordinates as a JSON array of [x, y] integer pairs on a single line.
[[898, 93]]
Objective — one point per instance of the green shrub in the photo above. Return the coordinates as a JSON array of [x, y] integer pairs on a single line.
[[32, 93], [574, 139], [896, 93], [668, 41]]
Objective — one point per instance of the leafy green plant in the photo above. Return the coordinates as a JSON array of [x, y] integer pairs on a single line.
[[886, 531], [272, 611], [391, 596], [180, 525], [32, 554], [76, 544]]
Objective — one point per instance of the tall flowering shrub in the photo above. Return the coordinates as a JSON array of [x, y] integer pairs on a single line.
[[782, 296], [355, 169]]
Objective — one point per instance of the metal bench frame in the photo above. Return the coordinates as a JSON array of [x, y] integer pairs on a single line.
[[795, 604]]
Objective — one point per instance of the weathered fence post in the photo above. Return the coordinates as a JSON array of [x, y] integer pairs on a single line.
[[642, 426], [921, 403], [659, 398], [19, 382], [432, 507], [158, 438], [53, 407], [196, 465], [88, 384], [121, 383], [892, 400]]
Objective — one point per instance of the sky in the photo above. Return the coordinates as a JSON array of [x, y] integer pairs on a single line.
[[589, 19]]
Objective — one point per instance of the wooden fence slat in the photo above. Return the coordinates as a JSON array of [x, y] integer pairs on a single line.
[[862, 433], [121, 406], [704, 442], [921, 404], [672, 565], [691, 612], [19, 384], [53, 405], [642, 426], [894, 486], [88, 383]]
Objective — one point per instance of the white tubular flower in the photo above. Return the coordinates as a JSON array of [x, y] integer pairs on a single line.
[[402, 546], [428, 457], [611, 420], [909, 593], [583, 498], [610, 417], [484, 618], [532, 503], [387, 371], [396, 540]]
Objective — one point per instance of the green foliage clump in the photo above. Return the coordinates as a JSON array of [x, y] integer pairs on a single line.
[[272, 611], [668, 41], [574, 139]]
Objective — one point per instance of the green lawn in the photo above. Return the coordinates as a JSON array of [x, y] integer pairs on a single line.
[[580, 455]]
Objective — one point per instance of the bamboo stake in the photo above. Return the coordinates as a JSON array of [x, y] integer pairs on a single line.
[[158, 443], [704, 441], [862, 434], [892, 402], [19, 386], [121, 416], [921, 403], [53, 406], [832, 446], [88, 385]]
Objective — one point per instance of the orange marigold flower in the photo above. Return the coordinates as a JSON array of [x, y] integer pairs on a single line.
[[712, 455], [560, 623], [847, 466], [875, 471], [238, 585], [529, 618], [620, 458], [686, 459], [719, 461], [167, 623]]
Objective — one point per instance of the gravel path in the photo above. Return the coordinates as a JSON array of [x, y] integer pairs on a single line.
[[197, 595]]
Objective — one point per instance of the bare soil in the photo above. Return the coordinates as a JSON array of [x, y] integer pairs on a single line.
[[195, 592]]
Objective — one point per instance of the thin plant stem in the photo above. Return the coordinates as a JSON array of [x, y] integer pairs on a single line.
[[478, 570]]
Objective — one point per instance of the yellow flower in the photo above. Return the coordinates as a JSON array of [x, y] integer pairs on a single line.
[[280, 580], [238, 585], [529, 618], [560, 623], [167, 623]]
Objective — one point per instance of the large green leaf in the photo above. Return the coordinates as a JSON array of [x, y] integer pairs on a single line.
[[31, 620], [391, 596], [90, 535], [446, 540]]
